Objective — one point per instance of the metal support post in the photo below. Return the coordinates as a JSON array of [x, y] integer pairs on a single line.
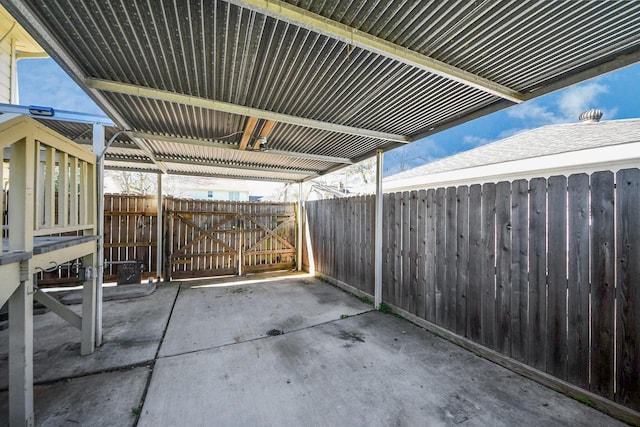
[[300, 229], [89, 302], [378, 232], [159, 231], [98, 145]]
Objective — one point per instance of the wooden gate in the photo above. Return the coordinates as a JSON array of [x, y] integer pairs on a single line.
[[213, 238]]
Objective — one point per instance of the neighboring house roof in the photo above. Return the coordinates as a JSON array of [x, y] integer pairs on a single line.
[[546, 151]]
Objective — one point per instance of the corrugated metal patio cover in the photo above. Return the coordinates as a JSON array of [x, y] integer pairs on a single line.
[[286, 91]]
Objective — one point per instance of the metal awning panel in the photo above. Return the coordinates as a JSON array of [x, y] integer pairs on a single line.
[[346, 77]]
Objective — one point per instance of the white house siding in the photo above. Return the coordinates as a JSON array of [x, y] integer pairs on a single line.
[[5, 70]]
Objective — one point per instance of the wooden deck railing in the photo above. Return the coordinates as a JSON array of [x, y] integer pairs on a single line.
[[51, 219]]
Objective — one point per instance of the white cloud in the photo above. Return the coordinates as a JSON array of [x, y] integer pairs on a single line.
[[578, 99], [533, 112], [566, 109], [475, 141]]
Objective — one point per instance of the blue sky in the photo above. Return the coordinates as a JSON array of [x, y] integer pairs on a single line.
[[615, 93], [43, 82]]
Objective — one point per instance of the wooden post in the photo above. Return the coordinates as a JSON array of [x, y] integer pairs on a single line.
[[21, 214]]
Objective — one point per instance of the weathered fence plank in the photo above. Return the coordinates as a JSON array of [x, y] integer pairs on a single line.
[[395, 242], [474, 298], [578, 285], [422, 255], [519, 268], [430, 257], [412, 303], [602, 276], [386, 248], [557, 281], [503, 267], [462, 261], [628, 288], [449, 292], [405, 287], [537, 345], [488, 275], [440, 255]]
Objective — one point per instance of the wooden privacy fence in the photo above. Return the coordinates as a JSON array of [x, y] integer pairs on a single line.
[[201, 238], [545, 271]]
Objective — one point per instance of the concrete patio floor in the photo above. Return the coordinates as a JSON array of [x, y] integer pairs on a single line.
[[210, 352]]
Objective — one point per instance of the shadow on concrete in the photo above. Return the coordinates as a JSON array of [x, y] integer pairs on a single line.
[[273, 349]]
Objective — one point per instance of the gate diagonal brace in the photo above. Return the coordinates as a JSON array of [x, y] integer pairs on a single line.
[[270, 233], [206, 233]]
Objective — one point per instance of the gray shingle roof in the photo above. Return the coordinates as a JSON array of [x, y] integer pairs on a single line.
[[547, 140]]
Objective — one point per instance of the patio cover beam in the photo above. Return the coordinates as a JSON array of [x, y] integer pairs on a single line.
[[194, 101], [221, 145], [303, 18], [215, 163]]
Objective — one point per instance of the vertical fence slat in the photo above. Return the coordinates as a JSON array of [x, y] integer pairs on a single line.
[[412, 304], [449, 292], [386, 248], [503, 267], [393, 247], [488, 292], [537, 348], [602, 276], [406, 251], [578, 286], [557, 282], [397, 249], [628, 289], [430, 257], [519, 265], [462, 264], [440, 255], [474, 300], [422, 254]]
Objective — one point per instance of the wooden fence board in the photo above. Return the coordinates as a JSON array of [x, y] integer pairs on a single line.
[[579, 284], [462, 264], [557, 281], [519, 268], [393, 243], [537, 345], [474, 299], [370, 241], [628, 289], [422, 255], [440, 255], [430, 257], [412, 303], [503, 267], [488, 287], [449, 292], [386, 248], [406, 251], [397, 250], [602, 276]]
